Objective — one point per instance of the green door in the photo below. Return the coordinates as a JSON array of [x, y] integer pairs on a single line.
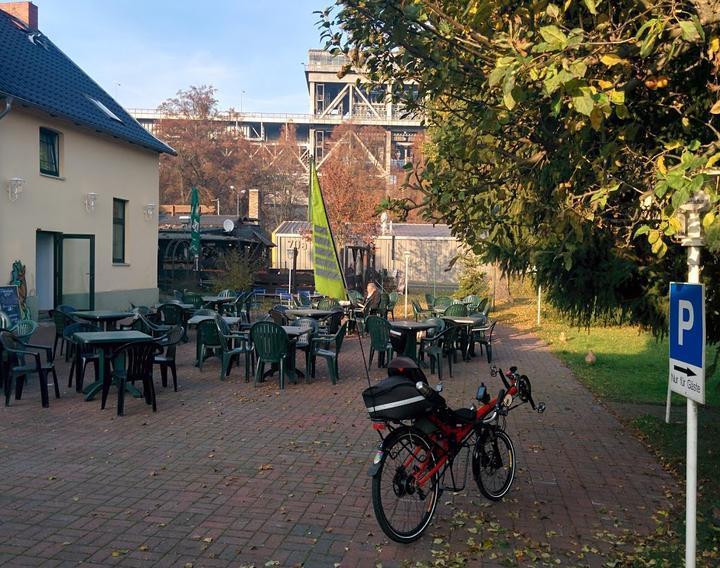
[[75, 270]]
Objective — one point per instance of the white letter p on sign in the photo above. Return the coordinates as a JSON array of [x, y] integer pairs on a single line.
[[686, 318]]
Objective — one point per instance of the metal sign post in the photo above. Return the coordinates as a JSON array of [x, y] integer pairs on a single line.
[[687, 355], [407, 260]]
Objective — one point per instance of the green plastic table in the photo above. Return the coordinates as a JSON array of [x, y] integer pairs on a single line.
[[411, 329], [107, 318], [106, 342]]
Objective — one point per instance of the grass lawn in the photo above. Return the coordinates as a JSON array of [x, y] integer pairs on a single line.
[[631, 366]]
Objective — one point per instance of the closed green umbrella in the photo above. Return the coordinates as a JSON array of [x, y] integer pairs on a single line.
[[195, 226]]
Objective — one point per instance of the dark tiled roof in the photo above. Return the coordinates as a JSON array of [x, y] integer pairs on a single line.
[[36, 73], [421, 231], [172, 227], [402, 230], [293, 228]]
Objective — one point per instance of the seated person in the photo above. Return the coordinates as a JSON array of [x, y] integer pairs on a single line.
[[371, 303]]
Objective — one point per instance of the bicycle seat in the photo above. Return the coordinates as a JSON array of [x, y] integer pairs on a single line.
[[464, 415]]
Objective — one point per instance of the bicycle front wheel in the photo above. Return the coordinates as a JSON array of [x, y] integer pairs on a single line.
[[403, 506], [493, 463]]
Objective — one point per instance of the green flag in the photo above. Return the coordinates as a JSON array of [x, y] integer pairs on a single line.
[[329, 279], [195, 223]]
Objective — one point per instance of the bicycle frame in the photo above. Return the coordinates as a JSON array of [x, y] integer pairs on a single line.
[[448, 440]]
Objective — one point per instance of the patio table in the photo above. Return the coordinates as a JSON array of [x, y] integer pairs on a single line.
[[186, 307], [107, 318], [230, 320], [106, 342], [471, 323], [309, 313], [217, 302], [410, 329]]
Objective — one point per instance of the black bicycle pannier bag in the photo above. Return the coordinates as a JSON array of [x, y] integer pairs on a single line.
[[395, 398]]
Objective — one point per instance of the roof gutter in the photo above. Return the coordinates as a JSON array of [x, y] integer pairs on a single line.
[[8, 106]]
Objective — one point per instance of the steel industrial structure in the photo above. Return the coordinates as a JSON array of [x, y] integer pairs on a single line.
[[333, 101]]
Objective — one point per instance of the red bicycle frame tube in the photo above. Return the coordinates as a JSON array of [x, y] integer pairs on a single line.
[[458, 433]]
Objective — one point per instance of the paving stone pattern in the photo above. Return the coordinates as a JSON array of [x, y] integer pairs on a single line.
[[226, 474]]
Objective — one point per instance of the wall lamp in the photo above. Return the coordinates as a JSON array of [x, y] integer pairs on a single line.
[[90, 201], [149, 210], [15, 187]]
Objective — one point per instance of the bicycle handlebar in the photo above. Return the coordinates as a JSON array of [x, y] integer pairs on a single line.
[[518, 385]]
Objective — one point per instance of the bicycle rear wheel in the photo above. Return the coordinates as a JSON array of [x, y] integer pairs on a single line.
[[402, 507], [493, 463]]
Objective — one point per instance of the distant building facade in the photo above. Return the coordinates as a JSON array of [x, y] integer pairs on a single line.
[[332, 101]]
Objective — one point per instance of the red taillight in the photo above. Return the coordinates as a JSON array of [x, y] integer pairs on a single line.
[[378, 426]]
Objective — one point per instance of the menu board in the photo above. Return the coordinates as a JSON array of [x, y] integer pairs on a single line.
[[10, 303]]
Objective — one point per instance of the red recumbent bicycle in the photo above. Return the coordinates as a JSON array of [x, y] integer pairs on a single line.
[[425, 439]]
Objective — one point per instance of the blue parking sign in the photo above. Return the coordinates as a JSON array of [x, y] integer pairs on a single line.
[[687, 340]]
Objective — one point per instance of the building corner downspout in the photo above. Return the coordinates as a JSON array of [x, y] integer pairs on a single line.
[[8, 107]]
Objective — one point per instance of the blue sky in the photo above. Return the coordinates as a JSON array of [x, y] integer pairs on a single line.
[[143, 51]]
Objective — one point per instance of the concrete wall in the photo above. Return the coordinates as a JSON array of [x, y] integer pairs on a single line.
[[427, 262], [89, 162]]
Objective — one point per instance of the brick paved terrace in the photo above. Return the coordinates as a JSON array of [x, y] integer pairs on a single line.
[[226, 474]]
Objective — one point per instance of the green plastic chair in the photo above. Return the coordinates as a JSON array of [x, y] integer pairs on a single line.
[[304, 299], [456, 310], [379, 330], [330, 351], [328, 304], [232, 345], [355, 297], [143, 324], [430, 301], [443, 302], [131, 362], [384, 303], [61, 317], [305, 341], [237, 308], [207, 341], [486, 309], [194, 299], [86, 353], [272, 345], [394, 296], [484, 338], [418, 312], [24, 360], [430, 334], [166, 357], [330, 325], [171, 314], [24, 329], [440, 346]]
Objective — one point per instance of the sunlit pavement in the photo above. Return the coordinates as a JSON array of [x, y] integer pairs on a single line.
[[227, 474]]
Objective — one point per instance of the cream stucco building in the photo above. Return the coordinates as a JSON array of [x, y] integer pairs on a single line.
[[79, 179]]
